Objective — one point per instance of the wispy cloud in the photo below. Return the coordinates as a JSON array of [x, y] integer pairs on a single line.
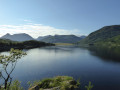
[[35, 30]]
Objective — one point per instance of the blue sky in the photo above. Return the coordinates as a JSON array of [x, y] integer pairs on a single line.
[[44, 17]]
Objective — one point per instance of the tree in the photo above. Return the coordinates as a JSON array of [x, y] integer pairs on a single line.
[[9, 61]]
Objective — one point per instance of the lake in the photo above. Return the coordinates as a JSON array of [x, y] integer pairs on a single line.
[[73, 61]]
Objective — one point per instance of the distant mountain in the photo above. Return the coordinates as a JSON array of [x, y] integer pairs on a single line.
[[18, 37], [42, 37], [60, 39], [83, 37], [104, 34]]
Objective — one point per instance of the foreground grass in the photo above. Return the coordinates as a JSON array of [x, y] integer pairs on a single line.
[[56, 83], [15, 85]]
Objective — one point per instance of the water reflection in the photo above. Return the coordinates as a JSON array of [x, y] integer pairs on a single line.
[[106, 54], [84, 63]]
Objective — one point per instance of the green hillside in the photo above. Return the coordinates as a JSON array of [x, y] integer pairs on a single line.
[[104, 36], [110, 42]]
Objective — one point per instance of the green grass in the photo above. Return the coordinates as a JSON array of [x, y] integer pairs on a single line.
[[61, 82], [15, 85], [55, 83]]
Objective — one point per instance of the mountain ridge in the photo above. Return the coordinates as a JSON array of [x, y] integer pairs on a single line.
[[47, 38], [101, 35], [61, 39], [17, 37]]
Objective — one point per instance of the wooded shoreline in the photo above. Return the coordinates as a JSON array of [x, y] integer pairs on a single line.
[[6, 45]]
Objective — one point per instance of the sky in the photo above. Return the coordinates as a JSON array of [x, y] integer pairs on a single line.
[[50, 17]]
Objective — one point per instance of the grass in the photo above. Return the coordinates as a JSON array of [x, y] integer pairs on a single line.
[[15, 85], [61, 82], [55, 83]]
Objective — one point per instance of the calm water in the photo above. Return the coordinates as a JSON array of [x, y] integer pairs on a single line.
[[72, 61]]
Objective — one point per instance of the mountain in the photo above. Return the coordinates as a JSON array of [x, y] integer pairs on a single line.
[[60, 39], [103, 34], [42, 37], [18, 37], [82, 37]]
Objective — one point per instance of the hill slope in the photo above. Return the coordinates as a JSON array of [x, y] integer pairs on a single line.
[[61, 39], [102, 35], [18, 37]]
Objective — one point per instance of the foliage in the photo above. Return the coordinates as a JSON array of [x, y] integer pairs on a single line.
[[56, 83], [6, 44], [61, 82], [9, 61], [89, 87], [14, 55], [15, 85], [109, 43]]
